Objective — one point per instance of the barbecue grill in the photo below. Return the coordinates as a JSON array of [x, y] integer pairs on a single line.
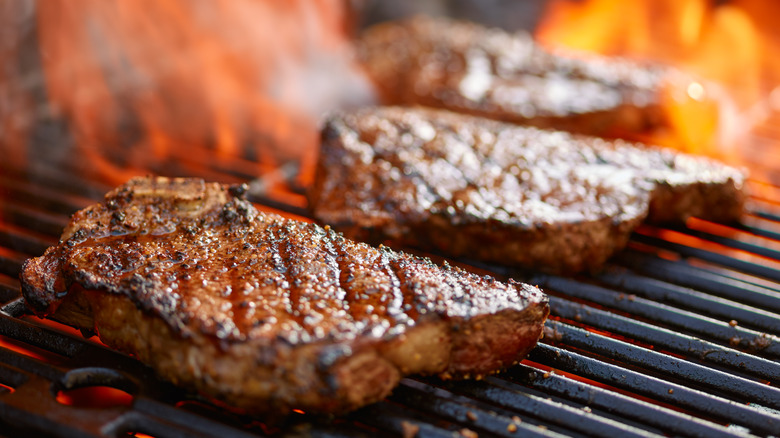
[[678, 336]]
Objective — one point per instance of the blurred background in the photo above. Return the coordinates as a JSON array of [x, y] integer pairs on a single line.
[[130, 87]]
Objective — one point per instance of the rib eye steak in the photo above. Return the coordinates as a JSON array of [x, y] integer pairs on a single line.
[[465, 67], [468, 186], [269, 313]]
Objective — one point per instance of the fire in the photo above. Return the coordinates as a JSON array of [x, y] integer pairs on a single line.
[[734, 44], [94, 397], [146, 83]]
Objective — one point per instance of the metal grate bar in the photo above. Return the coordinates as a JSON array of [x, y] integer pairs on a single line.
[[9, 288], [666, 339], [498, 392], [57, 178], [729, 242], [20, 239], [594, 397], [663, 391], [688, 251], [40, 221], [159, 419], [737, 387], [30, 365], [766, 215], [758, 231], [391, 418], [688, 298], [444, 404], [11, 262], [42, 197], [684, 274], [683, 320], [37, 336]]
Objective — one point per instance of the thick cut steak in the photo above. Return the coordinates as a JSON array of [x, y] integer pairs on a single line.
[[268, 313], [467, 68], [472, 187]]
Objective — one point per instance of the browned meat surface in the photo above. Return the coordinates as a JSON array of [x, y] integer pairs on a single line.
[[268, 313], [465, 67], [488, 190]]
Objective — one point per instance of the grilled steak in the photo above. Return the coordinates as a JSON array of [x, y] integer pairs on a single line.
[[465, 67], [268, 313], [468, 186]]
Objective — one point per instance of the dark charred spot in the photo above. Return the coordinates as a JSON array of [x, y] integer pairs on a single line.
[[117, 217], [140, 284], [190, 229], [77, 237], [229, 212], [242, 209], [238, 190]]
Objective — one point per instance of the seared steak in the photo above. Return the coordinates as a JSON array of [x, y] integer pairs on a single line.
[[468, 186], [268, 313], [465, 67]]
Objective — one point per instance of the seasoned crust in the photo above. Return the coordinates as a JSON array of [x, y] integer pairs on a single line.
[[267, 313], [464, 67], [468, 186]]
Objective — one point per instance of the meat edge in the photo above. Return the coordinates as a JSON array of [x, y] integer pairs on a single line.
[[256, 377], [332, 378]]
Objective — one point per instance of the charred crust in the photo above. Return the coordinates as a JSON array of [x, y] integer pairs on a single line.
[[117, 218], [236, 212], [38, 301], [190, 228], [162, 291], [238, 190], [78, 236]]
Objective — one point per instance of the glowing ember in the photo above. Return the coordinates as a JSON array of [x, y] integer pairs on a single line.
[[94, 397], [735, 44]]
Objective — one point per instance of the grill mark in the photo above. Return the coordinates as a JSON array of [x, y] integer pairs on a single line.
[[394, 308], [350, 293], [336, 251], [286, 252], [279, 262], [406, 288]]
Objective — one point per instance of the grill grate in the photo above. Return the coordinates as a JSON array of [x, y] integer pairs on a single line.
[[672, 339]]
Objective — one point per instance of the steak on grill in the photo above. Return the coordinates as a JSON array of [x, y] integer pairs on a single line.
[[465, 67], [488, 190], [269, 313]]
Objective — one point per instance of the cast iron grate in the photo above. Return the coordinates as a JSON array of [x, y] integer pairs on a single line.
[[674, 338]]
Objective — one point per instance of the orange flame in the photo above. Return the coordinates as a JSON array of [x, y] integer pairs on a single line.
[[144, 82], [732, 43]]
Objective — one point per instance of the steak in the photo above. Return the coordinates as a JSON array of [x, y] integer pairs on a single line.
[[464, 67], [498, 192], [268, 313]]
